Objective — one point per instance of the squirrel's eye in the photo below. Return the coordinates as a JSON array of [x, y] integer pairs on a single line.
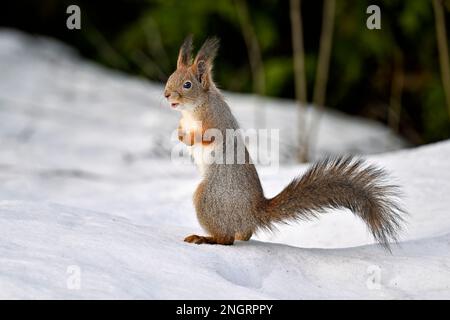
[[187, 85]]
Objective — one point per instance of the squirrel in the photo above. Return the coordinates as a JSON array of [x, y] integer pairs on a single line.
[[230, 202]]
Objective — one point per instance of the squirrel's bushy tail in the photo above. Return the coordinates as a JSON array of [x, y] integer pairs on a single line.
[[335, 183]]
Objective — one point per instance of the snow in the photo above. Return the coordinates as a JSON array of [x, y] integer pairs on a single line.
[[87, 183]]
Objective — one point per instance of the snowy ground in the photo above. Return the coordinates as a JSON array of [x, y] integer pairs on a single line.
[[87, 181]]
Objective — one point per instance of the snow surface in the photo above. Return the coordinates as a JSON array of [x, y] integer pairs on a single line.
[[87, 181]]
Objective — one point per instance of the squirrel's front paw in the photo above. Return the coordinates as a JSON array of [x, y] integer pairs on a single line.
[[188, 138]]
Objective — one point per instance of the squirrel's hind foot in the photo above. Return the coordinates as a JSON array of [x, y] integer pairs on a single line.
[[243, 236], [208, 240]]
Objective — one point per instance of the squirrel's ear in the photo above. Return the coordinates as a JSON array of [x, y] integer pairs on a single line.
[[185, 54], [203, 62]]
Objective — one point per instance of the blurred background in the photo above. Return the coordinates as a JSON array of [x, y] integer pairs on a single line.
[[318, 52]]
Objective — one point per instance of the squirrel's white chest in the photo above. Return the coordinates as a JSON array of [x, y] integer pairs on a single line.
[[203, 156]]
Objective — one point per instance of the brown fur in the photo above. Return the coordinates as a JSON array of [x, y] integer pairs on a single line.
[[230, 202], [343, 182], [191, 137]]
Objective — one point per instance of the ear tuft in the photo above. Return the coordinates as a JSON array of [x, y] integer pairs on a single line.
[[208, 51], [185, 54], [203, 62]]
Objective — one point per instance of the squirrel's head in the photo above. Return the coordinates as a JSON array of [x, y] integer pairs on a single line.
[[188, 86]]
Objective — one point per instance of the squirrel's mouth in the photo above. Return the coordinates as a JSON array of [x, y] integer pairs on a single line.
[[174, 104]]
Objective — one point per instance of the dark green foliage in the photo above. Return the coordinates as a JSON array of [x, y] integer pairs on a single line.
[[143, 37]]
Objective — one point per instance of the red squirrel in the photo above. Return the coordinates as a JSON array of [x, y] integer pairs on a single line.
[[230, 201]]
